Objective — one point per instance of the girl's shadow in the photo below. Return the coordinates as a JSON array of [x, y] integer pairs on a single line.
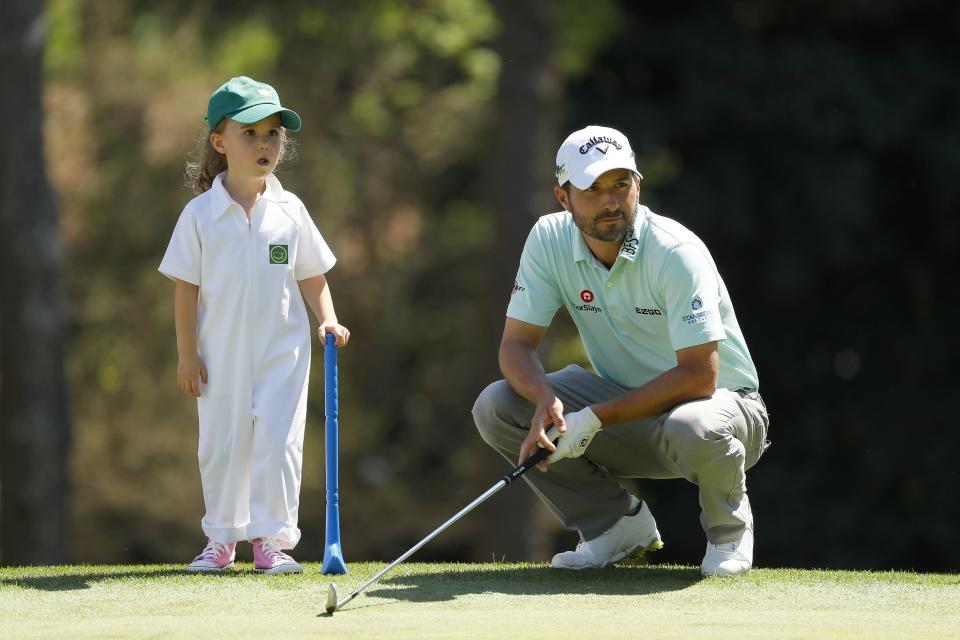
[[77, 581]]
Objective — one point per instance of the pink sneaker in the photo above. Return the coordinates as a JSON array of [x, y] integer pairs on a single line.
[[268, 558], [214, 557]]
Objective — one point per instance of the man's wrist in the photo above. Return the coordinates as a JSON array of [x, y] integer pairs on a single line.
[[544, 393], [603, 414], [591, 418]]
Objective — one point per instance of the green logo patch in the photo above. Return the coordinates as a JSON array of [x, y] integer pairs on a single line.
[[278, 254]]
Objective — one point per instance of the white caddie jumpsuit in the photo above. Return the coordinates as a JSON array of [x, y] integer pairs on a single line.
[[253, 335]]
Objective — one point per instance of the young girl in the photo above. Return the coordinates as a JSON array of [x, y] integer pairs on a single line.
[[242, 253]]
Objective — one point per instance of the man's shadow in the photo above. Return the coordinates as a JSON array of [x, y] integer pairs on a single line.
[[615, 580]]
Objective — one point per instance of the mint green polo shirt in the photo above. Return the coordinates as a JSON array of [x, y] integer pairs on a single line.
[[662, 294]]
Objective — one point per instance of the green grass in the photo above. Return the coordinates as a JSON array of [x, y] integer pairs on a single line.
[[418, 600]]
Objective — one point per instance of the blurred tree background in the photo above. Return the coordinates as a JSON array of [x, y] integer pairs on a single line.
[[812, 145]]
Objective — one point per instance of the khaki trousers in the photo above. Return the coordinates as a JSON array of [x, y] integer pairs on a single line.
[[709, 442]]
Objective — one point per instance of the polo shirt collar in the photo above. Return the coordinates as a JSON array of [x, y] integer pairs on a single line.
[[221, 201], [631, 244], [274, 190], [582, 252]]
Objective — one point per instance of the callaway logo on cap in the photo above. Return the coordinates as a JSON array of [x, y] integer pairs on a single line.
[[590, 152]]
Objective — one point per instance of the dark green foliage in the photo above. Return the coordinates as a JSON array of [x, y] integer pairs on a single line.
[[812, 145]]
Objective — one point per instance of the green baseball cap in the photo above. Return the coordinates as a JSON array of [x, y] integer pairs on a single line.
[[248, 101]]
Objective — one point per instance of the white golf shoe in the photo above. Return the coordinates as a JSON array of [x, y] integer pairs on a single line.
[[631, 535], [730, 559]]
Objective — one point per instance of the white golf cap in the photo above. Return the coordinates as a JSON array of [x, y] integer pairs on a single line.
[[590, 152]]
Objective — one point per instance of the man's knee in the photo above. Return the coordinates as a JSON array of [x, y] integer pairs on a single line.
[[690, 429], [490, 407], [702, 446]]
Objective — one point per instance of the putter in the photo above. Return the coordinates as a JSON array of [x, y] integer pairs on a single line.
[[333, 604], [333, 562]]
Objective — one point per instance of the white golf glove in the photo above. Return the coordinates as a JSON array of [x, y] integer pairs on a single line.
[[581, 427]]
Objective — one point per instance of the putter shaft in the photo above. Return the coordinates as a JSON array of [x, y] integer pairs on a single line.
[[504, 481]]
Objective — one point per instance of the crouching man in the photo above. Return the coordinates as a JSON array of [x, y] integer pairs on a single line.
[[675, 393]]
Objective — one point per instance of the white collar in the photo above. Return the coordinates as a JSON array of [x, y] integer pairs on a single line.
[[221, 201], [630, 248]]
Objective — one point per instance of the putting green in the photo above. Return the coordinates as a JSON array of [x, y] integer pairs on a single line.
[[418, 600]]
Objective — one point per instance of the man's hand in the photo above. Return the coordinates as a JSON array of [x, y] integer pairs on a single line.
[[190, 371], [549, 413], [574, 440]]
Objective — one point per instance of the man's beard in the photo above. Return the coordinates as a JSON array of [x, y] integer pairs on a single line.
[[607, 232]]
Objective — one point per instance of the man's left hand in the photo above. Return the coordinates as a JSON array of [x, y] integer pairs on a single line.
[[581, 427]]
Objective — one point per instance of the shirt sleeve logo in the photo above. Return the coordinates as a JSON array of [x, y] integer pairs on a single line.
[[586, 295], [278, 254], [517, 288], [698, 315]]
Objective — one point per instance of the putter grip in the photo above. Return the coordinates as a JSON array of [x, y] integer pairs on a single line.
[[541, 454]]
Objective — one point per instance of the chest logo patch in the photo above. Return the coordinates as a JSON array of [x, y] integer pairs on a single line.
[[278, 254], [586, 295]]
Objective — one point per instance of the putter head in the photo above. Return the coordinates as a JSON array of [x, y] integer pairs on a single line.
[[332, 599]]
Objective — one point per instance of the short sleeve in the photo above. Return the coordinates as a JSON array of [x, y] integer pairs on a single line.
[[314, 257], [691, 293], [182, 259], [535, 298]]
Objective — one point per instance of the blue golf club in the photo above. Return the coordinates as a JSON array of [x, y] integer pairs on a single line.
[[333, 555]]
